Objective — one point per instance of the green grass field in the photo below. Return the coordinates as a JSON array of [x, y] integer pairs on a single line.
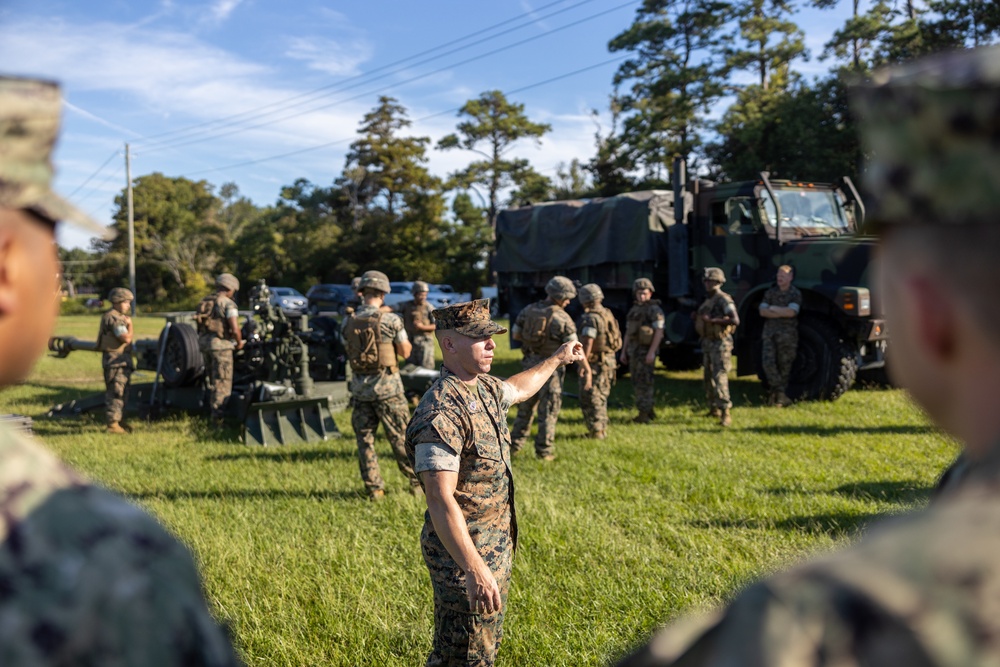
[[617, 537]]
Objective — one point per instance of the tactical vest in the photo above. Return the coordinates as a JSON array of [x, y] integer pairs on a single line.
[[365, 351], [107, 341], [535, 329], [639, 325], [714, 307], [609, 335], [207, 318]]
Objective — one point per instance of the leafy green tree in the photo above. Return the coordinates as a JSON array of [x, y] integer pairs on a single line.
[[572, 181], [77, 269], [771, 42], [493, 128]]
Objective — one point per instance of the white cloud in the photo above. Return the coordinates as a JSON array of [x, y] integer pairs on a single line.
[[221, 9], [330, 56]]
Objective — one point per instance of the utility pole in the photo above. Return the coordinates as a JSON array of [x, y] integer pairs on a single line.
[[131, 230]]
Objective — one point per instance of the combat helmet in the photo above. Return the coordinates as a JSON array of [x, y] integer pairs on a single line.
[[419, 286], [714, 273], [560, 288], [228, 281], [642, 283], [120, 294], [375, 280], [591, 293]]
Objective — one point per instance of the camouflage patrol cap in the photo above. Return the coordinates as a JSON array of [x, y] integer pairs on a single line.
[[560, 288], [471, 319], [590, 293], [642, 283], [419, 286], [932, 128], [715, 273], [119, 294], [29, 126], [375, 280], [227, 280]]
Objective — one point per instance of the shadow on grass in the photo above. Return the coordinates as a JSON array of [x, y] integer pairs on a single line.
[[289, 455], [902, 492], [248, 494], [55, 394], [833, 524], [835, 431]]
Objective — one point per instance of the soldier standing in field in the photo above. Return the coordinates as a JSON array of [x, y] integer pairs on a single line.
[[542, 328], [87, 577], [780, 338], [917, 589], [459, 444], [374, 338], [601, 338], [643, 335], [715, 321], [114, 339], [419, 326], [219, 335]]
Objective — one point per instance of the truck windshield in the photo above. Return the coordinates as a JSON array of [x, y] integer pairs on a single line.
[[808, 212]]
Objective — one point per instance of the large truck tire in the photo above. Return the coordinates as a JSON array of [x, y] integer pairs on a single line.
[[182, 364], [825, 366]]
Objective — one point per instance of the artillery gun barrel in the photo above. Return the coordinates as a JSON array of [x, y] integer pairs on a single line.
[[61, 346]]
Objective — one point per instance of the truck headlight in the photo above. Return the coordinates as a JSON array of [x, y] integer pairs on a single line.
[[855, 301]]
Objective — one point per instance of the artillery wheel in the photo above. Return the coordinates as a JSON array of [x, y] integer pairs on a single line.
[[825, 366], [183, 364]]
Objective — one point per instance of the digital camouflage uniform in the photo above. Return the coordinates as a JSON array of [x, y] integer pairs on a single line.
[[379, 397], [218, 353], [422, 341], [641, 320], [470, 422], [558, 328], [117, 363], [90, 579], [596, 322], [717, 350], [780, 338]]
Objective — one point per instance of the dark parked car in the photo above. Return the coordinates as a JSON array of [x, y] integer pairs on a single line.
[[289, 299], [327, 297]]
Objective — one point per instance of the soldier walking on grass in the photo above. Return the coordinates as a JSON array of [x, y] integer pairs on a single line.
[[601, 339], [643, 335], [918, 589], [419, 326], [780, 338], [459, 444], [715, 321], [87, 577], [114, 339], [374, 338], [216, 319], [542, 328]]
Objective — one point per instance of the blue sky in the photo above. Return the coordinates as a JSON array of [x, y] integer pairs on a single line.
[[260, 94]]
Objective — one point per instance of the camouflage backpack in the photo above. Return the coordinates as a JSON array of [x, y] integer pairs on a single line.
[[364, 350], [206, 320], [535, 327], [610, 339]]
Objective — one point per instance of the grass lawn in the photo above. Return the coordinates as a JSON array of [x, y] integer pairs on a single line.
[[617, 537]]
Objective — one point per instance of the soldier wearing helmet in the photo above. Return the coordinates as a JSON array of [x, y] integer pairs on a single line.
[[216, 319], [419, 325], [541, 329], [643, 335], [715, 321], [374, 339], [601, 338], [114, 339]]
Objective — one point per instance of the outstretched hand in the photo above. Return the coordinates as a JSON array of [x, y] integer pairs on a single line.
[[569, 353]]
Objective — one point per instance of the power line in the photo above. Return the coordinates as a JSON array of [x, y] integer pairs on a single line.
[[80, 187]]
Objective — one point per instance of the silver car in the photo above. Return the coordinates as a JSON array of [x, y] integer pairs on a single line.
[[291, 301]]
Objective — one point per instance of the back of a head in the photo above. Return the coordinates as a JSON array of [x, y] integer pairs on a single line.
[[560, 288], [591, 293], [227, 281], [375, 280]]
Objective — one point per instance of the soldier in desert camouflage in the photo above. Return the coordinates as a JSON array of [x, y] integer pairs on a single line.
[[920, 589], [601, 338], [114, 339], [459, 445], [643, 335], [87, 577], [715, 321], [780, 338]]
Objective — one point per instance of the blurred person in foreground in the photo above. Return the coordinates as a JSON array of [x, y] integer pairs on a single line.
[[921, 589], [86, 578], [459, 445]]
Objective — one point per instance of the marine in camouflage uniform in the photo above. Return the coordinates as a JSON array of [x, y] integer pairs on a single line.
[[86, 577], [643, 335], [114, 339], [376, 389], [459, 444], [542, 327], [218, 336], [419, 326], [601, 339], [920, 589], [780, 337], [715, 321]]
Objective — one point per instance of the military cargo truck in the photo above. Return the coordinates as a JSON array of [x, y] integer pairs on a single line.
[[748, 229]]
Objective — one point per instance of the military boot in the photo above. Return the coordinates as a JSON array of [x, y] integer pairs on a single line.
[[598, 435], [714, 412], [642, 418], [724, 418], [376, 494], [782, 400], [116, 428]]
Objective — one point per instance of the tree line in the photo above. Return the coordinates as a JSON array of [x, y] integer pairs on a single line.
[[686, 60]]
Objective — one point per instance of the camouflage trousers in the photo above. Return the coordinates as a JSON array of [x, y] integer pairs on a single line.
[[594, 401], [717, 357], [778, 349], [116, 379], [393, 413], [548, 403], [423, 353], [642, 377], [463, 638], [220, 380]]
